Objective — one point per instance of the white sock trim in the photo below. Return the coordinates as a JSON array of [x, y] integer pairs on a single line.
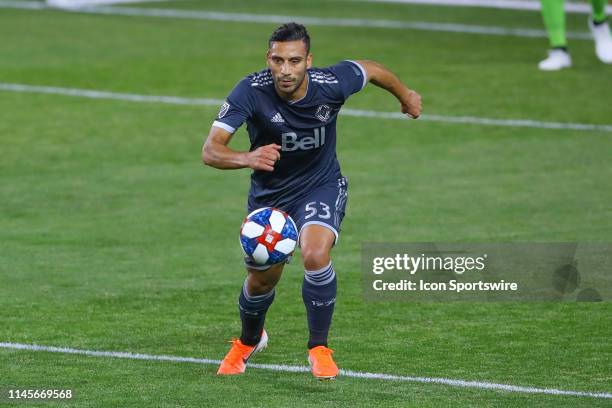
[[318, 270], [328, 273]]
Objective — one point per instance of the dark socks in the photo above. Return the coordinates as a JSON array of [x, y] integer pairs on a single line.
[[253, 314], [319, 295]]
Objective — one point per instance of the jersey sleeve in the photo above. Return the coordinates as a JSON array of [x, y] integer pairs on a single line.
[[351, 76], [236, 109]]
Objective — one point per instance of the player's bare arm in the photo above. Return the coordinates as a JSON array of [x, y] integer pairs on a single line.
[[216, 153], [380, 76]]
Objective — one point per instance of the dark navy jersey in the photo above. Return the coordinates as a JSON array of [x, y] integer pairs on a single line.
[[305, 128]]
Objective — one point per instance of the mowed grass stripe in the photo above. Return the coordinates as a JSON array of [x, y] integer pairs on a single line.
[[300, 369], [315, 21], [178, 100]]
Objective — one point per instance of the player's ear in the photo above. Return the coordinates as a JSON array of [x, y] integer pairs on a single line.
[[309, 61], [268, 58]]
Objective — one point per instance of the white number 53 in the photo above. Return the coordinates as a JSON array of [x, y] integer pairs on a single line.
[[323, 211]]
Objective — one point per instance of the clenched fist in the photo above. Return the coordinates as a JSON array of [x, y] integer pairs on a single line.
[[411, 104], [264, 157]]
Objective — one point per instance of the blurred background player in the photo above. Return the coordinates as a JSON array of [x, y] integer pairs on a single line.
[[558, 58]]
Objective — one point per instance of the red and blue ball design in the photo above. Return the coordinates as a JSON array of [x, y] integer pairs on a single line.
[[268, 236]]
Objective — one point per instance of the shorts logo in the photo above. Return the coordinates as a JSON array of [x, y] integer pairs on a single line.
[[323, 113], [224, 108]]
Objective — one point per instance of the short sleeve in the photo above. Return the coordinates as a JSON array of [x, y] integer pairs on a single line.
[[236, 109], [351, 76]]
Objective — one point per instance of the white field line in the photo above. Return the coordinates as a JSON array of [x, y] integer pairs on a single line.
[[85, 93], [40, 5], [532, 5], [88, 3], [316, 21], [301, 369], [177, 100], [85, 3]]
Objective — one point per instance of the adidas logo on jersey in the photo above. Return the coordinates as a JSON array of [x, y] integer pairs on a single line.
[[277, 118]]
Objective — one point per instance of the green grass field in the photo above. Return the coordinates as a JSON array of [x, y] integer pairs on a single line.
[[114, 236]]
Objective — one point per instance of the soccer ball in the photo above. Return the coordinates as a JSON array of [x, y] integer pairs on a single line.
[[268, 236]]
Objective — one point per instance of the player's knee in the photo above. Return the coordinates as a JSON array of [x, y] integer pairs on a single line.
[[259, 287], [315, 257], [260, 282]]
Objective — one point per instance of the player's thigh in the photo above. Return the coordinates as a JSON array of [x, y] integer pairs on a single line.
[[318, 218]]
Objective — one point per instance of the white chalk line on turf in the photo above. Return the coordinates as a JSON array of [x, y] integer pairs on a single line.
[[88, 3], [301, 369], [39, 5], [92, 94], [177, 100], [316, 21]]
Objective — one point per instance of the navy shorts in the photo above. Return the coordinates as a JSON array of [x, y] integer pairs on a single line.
[[324, 205]]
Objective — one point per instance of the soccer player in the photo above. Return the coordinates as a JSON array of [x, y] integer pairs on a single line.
[[554, 20], [291, 110]]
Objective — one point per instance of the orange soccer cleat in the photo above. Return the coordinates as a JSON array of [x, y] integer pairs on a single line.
[[235, 360], [321, 362]]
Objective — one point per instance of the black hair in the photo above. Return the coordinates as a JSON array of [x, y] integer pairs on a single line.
[[290, 32]]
